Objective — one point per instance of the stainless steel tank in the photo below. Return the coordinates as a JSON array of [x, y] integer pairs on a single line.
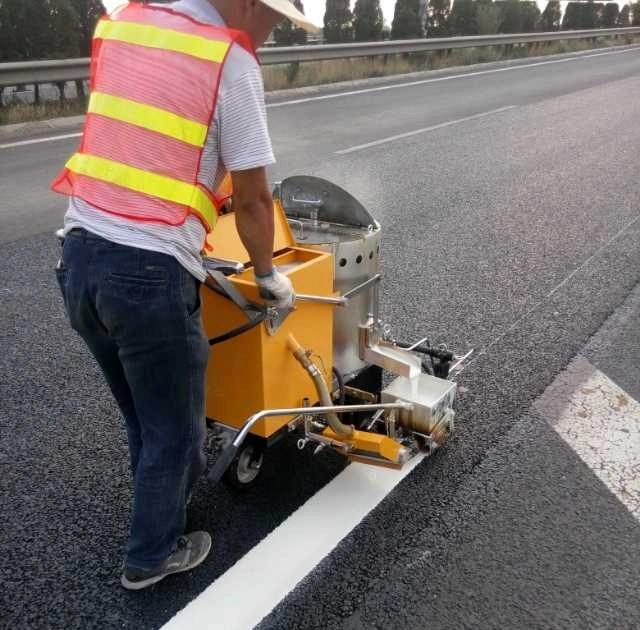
[[323, 216]]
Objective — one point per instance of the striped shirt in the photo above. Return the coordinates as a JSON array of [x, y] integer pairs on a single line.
[[238, 140]]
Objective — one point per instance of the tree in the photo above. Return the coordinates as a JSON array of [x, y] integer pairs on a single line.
[[88, 12], [530, 16], [286, 34], [583, 15], [624, 17], [487, 18], [438, 18], [462, 20], [368, 20], [610, 15], [64, 30], [24, 33], [636, 14], [406, 20], [551, 16], [511, 16], [338, 22]]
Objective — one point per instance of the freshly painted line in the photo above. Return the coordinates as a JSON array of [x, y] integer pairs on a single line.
[[601, 423], [25, 143], [248, 591], [466, 75], [416, 132]]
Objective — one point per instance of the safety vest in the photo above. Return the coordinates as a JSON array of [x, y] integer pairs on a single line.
[[155, 75]]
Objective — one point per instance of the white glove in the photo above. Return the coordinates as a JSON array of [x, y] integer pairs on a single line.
[[276, 289]]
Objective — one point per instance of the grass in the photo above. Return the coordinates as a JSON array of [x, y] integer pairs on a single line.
[[322, 72], [23, 112], [318, 73]]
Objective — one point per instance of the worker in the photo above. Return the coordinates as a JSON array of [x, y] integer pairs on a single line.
[[177, 101]]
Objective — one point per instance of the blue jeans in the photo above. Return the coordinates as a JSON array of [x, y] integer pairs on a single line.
[[139, 313]]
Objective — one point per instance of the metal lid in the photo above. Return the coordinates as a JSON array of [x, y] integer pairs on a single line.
[[303, 196]]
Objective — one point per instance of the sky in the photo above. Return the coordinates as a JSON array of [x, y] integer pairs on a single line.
[[315, 8]]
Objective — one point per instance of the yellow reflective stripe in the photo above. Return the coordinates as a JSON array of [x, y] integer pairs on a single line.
[[148, 117], [144, 182], [164, 38]]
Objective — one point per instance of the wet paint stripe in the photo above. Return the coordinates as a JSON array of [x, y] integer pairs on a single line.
[[251, 589]]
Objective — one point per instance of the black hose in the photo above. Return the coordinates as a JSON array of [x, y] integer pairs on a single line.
[[340, 380], [240, 329], [437, 353], [237, 331]]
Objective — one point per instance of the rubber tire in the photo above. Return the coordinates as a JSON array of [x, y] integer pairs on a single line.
[[231, 479]]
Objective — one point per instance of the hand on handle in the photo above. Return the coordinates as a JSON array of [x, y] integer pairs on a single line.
[[276, 289]]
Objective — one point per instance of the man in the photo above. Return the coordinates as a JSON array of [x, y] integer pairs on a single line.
[[177, 102]]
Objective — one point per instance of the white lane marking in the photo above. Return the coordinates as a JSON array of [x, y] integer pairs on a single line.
[[605, 247], [601, 423], [25, 143], [416, 132], [453, 77], [248, 591], [380, 88]]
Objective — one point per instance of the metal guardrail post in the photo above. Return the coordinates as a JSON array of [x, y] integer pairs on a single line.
[[38, 72]]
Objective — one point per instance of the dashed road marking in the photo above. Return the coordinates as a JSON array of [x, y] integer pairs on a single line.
[[601, 423], [380, 88], [417, 132], [25, 143], [452, 77]]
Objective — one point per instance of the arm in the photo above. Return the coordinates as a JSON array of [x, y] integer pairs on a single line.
[[253, 207]]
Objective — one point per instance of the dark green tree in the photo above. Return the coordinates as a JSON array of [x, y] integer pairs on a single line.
[[487, 18], [338, 22], [511, 16], [624, 17], [551, 16], [24, 33], [571, 16], [635, 20], [583, 15], [88, 12], [530, 16], [368, 21], [438, 18], [462, 20], [406, 20], [286, 34], [64, 30], [610, 15]]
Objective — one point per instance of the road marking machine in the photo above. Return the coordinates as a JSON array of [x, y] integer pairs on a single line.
[[317, 369]]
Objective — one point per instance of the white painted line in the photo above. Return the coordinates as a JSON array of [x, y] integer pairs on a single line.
[[605, 247], [25, 143], [380, 88], [416, 132], [248, 591], [601, 423], [466, 75]]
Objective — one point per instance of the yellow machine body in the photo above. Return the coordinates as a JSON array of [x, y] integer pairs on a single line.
[[256, 370]]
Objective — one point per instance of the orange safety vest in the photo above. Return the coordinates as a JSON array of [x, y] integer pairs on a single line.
[[155, 75]]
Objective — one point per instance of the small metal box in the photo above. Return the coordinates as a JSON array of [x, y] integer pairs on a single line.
[[433, 399]]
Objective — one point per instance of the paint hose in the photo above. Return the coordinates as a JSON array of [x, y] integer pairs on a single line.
[[321, 387]]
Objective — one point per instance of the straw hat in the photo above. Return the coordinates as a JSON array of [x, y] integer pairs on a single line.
[[287, 8]]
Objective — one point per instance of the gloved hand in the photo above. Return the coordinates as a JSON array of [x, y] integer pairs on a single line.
[[276, 289]]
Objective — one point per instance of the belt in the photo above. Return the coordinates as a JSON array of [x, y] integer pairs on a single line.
[[84, 234]]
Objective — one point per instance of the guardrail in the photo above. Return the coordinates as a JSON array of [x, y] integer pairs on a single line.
[[39, 72]]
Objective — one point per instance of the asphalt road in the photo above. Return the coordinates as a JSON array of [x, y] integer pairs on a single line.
[[516, 233]]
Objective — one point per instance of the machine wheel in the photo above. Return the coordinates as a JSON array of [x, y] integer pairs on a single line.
[[245, 468]]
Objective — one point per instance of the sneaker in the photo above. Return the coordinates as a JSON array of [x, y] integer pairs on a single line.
[[191, 551]]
